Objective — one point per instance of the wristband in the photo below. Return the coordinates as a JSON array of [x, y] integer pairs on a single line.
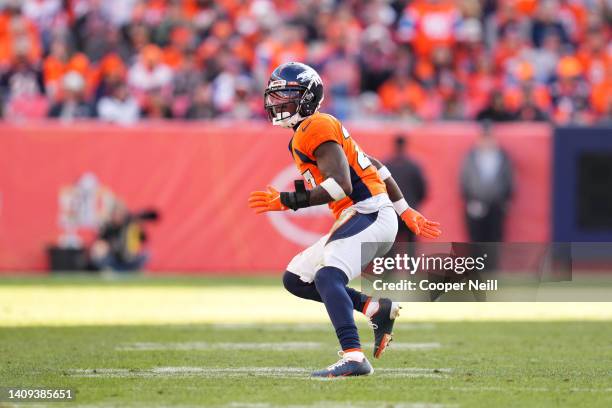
[[384, 173], [401, 206], [300, 198], [333, 189]]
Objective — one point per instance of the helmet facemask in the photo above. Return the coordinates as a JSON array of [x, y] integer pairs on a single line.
[[285, 105]]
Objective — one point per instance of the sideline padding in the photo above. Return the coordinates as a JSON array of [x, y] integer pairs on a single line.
[[199, 177]]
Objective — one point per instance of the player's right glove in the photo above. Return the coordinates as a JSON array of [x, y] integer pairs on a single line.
[[415, 222], [270, 200]]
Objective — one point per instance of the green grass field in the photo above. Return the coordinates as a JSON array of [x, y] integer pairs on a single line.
[[244, 343]]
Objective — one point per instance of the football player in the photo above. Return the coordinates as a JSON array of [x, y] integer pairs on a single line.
[[363, 197]]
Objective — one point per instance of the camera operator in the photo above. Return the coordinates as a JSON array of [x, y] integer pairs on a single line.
[[119, 244]]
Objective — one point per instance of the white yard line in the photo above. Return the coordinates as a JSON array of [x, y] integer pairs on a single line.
[[218, 372], [190, 371], [275, 346], [343, 404], [202, 345], [306, 326], [528, 389], [303, 373]]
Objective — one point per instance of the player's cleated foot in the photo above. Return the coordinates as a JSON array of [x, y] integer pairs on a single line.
[[382, 323], [345, 367]]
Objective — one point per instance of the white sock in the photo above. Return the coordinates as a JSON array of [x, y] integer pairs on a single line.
[[354, 356], [372, 308]]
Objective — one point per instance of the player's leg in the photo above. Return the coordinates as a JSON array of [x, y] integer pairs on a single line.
[[331, 285], [382, 312], [308, 278], [348, 252], [331, 282], [342, 262]]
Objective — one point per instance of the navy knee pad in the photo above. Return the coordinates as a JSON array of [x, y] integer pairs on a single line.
[[330, 275], [299, 288]]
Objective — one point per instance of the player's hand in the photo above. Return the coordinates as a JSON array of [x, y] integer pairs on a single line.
[[420, 225], [269, 200]]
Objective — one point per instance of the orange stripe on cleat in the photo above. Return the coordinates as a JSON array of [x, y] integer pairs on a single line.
[[365, 307], [383, 345]]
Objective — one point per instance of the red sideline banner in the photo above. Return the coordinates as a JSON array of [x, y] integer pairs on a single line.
[[56, 177]]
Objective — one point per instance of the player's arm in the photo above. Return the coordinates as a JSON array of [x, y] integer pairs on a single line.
[[336, 185], [395, 194], [412, 218], [334, 168]]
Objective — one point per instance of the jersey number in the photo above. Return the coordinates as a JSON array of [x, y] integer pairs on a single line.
[[363, 160]]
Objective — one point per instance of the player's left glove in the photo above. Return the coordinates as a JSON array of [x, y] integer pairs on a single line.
[[415, 222], [272, 200], [420, 225], [262, 201]]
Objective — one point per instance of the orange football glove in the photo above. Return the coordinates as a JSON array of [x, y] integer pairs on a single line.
[[420, 225], [263, 201]]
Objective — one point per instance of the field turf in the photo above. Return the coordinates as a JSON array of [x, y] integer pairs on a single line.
[[184, 342]]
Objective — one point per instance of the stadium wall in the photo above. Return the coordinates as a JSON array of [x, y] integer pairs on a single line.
[[199, 176], [582, 196]]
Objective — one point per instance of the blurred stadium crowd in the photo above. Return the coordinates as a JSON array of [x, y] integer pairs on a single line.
[[123, 60]]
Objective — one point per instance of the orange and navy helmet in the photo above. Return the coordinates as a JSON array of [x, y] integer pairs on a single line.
[[294, 92]]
